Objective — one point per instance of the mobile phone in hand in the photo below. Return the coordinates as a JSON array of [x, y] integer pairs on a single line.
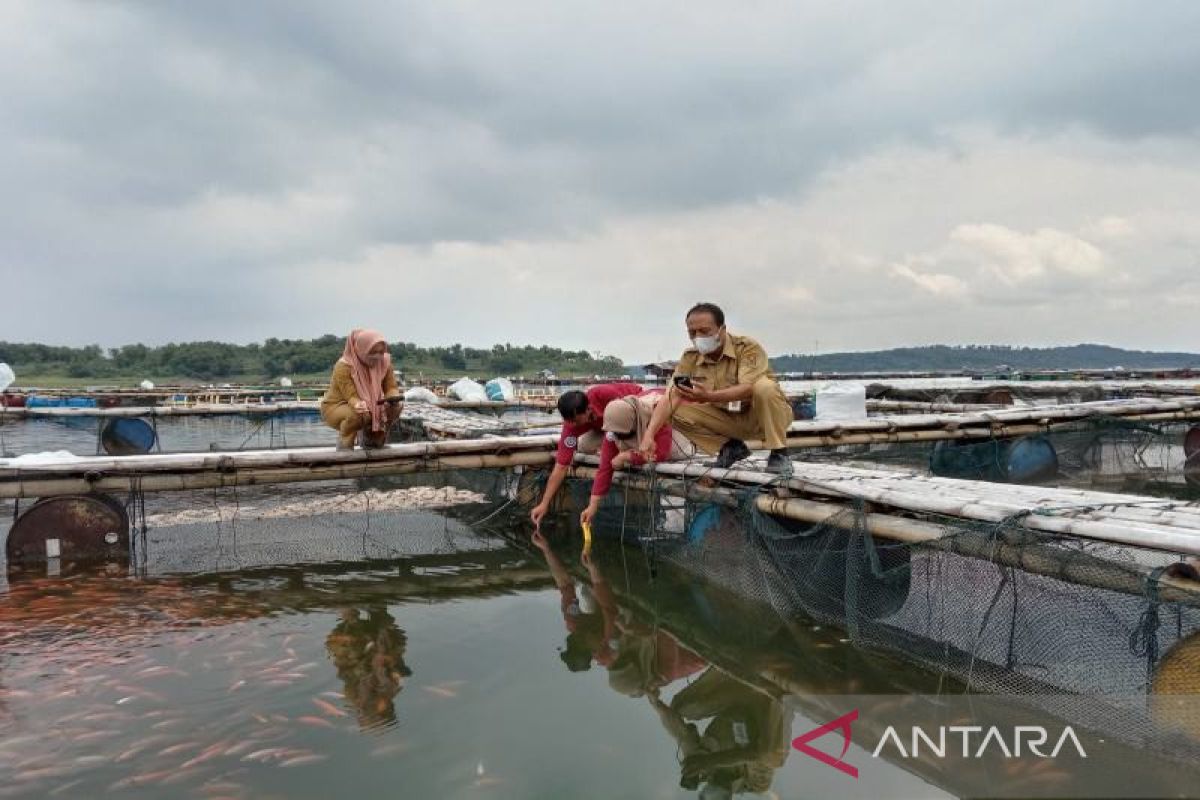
[[684, 380]]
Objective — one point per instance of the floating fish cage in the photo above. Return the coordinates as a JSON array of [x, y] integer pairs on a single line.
[[985, 608]]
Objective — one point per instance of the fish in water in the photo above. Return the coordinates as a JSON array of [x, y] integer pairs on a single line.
[[316, 722], [329, 708]]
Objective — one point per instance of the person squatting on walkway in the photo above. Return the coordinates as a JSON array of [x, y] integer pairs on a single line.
[[624, 421], [583, 420], [362, 393], [722, 393]]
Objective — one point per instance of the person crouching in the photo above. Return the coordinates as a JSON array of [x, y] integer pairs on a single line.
[[363, 395], [625, 422]]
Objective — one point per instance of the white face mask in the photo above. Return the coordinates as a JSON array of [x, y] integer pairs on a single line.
[[707, 344]]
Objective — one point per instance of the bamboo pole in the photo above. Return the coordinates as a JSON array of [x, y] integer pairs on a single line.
[[215, 409], [260, 458], [920, 407], [201, 410], [257, 476]]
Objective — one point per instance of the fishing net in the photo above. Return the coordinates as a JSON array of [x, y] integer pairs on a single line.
[[365, 520], [986, 608]]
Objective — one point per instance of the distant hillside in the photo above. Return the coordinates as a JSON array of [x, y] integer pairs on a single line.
[[986, 357]]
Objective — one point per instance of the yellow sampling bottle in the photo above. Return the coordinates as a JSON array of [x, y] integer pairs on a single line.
[[587, 536]]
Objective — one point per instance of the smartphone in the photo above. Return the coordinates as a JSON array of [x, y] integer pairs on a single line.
[[684, 380]]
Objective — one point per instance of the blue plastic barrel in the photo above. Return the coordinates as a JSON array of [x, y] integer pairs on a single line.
[[703, 522], [975, 461], [804, 408], [127, 436], [1030, 459]]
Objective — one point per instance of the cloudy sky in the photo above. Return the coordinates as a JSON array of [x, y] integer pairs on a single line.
[[839, 176]]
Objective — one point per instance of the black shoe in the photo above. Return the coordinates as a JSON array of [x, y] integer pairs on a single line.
[[733, 451], [779, 463]]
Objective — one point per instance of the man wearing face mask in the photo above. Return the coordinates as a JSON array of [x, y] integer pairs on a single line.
[[724, 392]]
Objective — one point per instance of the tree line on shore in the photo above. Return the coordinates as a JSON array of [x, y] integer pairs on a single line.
[[277, 357]]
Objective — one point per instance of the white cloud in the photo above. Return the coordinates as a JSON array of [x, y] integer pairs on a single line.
[[1016, 257], [936, 283]]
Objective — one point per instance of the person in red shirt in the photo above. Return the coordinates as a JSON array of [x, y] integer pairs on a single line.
[[583, 417], [625, 421]]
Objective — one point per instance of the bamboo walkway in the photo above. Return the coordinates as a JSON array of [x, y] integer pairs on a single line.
[[251, 409]]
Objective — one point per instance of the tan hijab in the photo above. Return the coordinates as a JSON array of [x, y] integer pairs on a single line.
[[632, 414], [368, 373]]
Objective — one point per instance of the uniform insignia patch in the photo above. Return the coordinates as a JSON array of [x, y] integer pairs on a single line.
[[571, 441]]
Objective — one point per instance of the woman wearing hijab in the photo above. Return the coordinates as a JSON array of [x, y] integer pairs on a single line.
[[625, 422], [362, 380]]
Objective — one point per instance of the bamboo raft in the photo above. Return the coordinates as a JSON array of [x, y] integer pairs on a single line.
[[206, 470], [1154, 523], [251, 409]]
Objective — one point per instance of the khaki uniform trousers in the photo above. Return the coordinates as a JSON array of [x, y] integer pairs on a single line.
[[767, 419], [345, 420]]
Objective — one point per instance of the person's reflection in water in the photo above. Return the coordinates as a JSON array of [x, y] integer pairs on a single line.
[[649, 659], [747, 740], [589, 614], [369, 657]]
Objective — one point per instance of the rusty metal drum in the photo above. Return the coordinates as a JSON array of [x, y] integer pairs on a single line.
[[91, 527], [998, 397]]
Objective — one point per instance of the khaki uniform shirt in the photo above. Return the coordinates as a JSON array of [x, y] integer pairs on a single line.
[[341, 386], [741, 361]]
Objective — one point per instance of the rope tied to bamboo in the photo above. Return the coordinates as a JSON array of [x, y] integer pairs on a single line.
[[1143, 639]]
